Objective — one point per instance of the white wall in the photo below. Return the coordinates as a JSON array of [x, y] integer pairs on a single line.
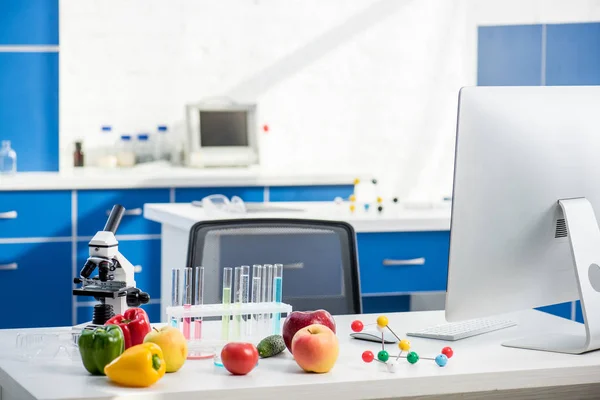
[[368, 84]]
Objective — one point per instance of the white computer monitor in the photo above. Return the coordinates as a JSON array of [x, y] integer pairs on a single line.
[[524, 232], [221, 135]]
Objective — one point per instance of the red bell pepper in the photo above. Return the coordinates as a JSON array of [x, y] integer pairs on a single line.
[[135, 325]]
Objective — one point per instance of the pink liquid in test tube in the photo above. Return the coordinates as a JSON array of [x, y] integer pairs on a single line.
[[186, 323], [198, 299]]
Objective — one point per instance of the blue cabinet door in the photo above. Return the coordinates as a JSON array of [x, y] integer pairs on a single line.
[[29, 22], [35, 214], [145, 257], [29, 107], [93, 207], [509, 55], [310, 193], [573, 54], [35, 285], [186, 195], [403, 262]]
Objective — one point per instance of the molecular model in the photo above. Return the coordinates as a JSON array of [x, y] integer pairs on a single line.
[[391, 361], [365, 193]]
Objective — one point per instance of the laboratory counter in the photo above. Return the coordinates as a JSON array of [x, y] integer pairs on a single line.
[[398, 217], [146, 176], [480, 368]]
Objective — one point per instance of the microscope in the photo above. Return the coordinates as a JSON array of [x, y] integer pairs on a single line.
[[114, 285]]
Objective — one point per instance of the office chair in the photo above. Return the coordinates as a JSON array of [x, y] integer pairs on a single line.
[[320, 264]]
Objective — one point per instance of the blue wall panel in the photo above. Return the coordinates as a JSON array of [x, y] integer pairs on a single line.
[[573, 54], [29, 108], [509, 55], [28, 22]]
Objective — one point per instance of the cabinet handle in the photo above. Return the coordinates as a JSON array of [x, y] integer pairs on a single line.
[[415, 261], [8, 215], [137, 269], [9, 267], [133, 211]]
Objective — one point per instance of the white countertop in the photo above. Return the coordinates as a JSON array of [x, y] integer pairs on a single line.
[[166, 177], [393, 218], [479, 363]]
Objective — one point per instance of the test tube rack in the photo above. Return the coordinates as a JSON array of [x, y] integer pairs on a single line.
[[248, 322]]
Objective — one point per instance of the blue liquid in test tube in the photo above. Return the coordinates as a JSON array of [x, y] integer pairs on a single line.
[[277, 295]]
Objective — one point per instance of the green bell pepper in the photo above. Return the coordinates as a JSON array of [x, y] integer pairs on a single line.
[[100, 346]]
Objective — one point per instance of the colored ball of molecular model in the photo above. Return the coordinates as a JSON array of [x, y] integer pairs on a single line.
[[391, 361]]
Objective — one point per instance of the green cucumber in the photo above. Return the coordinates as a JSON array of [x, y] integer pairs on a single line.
[[271, 346]]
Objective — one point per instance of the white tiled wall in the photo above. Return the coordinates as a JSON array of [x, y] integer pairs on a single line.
[[361, 83]]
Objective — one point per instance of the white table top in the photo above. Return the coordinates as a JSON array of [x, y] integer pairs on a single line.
[[148, 176], [479, 364], [393, 218]]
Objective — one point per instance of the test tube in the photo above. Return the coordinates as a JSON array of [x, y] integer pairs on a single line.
[[237, 300], [226, 300], [277, 295], [263, 297], [245, 289], [269, 294], [256, 291], [198, 299], [188, 278], [175, 295]]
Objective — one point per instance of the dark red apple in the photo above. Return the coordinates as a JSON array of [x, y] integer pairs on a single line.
[[297, 320]]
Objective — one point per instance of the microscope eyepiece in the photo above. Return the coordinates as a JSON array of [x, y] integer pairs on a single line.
[[114, 218]]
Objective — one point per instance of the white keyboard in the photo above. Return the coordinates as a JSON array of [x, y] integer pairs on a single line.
[[463, 329]]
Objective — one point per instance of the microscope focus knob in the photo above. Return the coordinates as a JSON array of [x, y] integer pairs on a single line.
[[137, 298], [77, 280]]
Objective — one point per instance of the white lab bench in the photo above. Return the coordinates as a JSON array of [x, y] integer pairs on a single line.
[[480, 369], [381, 236]]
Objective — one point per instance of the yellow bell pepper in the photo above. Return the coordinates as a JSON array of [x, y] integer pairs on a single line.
[[139, 366]]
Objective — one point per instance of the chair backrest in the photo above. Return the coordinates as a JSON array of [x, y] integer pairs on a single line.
[[320, 263]]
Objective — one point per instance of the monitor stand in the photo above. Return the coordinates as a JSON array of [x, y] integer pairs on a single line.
[[584, 236]]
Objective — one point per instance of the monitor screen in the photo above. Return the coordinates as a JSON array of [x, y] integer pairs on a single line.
[[223, 128]]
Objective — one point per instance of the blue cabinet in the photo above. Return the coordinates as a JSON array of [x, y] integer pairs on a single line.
[[573, 54], [35, 214], [35, 285], [509, 55], [563, 310], [186, 195], [29, 106], [93, 207], [403, 262], [310, 193], [29, 22], [143, 254]]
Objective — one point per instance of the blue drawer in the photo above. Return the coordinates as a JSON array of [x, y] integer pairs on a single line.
[[385, 304], [35, 285], [144, 254], [186, 195], [38, 214], [395, 249], [310, 193], [85, 313], [93, 207]]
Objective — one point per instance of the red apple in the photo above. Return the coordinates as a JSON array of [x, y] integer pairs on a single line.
[[297, 320], [316, 348]]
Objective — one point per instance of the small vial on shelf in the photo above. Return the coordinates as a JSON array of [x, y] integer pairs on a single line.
[[143, 149], [8, 159], [78, 156], [107, 155], [162, 147]]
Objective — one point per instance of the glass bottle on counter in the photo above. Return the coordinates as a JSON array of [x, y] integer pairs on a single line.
[[143, 149], [8, 159], [125, 152], [78, 157], [106, 157], [162, 148]]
